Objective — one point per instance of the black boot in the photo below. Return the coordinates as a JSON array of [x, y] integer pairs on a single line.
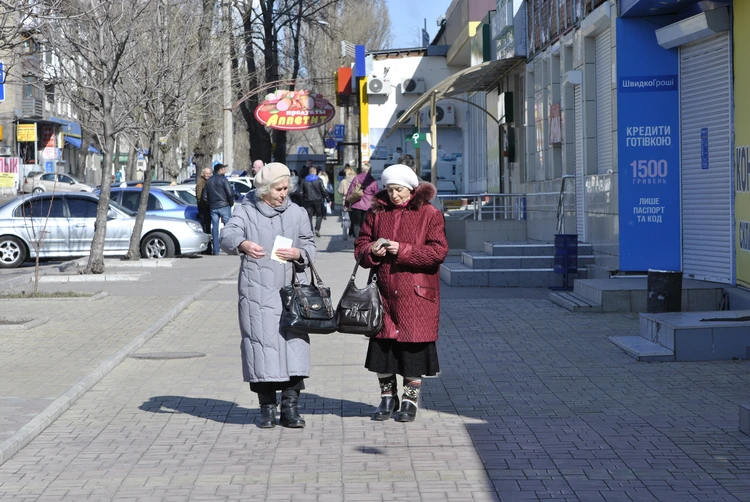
[[267, 416], [388, 398], [407, 413], [290, 410], [388, 406]]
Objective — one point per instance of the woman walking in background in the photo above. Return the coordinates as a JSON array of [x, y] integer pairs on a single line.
[[403, 237], [272, 360], [360, 195], [346, 182]]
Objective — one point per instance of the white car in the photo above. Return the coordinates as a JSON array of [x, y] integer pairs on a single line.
[[62, 225], [37, 181], [183, 192]]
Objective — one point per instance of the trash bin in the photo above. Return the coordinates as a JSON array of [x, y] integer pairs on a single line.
[[664, 291], [566, 257]]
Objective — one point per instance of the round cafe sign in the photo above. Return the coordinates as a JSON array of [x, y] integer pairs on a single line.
[[294, 110]]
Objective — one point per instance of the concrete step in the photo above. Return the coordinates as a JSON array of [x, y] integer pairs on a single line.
[[642, 349], [461, 275], [475, 259], [573, 302], [700, 336], [529, 249], [630, 294]]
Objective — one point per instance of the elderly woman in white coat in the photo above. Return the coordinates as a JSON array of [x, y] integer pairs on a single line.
[[272, 360]]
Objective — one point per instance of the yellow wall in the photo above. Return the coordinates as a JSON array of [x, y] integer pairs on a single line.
[[741, 37]]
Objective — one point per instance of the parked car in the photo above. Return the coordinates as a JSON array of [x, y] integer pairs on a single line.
[[184, 192], [139, 183], [39, 181], [241, 185], [69, 230], [160, 203]]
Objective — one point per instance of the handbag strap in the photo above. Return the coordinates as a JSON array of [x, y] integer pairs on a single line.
[[317, 282]]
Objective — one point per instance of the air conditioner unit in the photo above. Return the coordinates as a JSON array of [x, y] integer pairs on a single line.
[[412, 86], [378, 86], [410, 121], [445, 114], [5, 151]]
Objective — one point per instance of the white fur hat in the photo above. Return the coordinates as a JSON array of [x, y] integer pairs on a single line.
[[399, 174]]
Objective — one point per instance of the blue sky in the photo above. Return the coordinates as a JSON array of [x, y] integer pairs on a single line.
[[407, 16]]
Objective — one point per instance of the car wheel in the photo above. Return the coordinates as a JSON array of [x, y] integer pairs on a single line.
[[157, 245], [12, 252], [38, 190]]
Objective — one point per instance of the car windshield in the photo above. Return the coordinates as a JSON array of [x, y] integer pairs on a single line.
[[187, 196], [122, 208], [174, 198]]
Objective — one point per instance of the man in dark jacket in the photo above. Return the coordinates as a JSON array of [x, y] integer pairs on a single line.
[[203, 210], [313, 192], [220, 198]]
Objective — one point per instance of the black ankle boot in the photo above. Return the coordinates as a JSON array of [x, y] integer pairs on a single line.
[[290, 410], [388, 406], [407, 413], [267, 416]]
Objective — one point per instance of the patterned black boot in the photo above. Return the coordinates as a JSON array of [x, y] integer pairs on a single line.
[[408, 411], [290, 410], [388, 399]]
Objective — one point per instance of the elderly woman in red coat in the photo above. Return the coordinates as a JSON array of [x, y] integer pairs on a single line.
[[403, 237]]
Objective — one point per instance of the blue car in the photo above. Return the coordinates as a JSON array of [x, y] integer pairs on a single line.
[[159, 203]]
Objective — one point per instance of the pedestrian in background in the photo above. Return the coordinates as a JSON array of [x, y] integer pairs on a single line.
[[408, 160], [346, 182], [365, 184], [403, 238], [328, 193], [312, 192], [220, 198], [257, 166], [203, 208], [272, 360]]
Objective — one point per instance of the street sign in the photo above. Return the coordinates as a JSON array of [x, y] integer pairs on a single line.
[[339, 132], [49, 166], [303, 150], [2, 82], [26, 133], [330, 143]]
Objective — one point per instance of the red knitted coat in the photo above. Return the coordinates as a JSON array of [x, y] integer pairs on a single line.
[[409, 282]]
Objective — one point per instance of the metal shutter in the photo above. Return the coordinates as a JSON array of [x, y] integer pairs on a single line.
[[603, 102], [705, 102], [580, 172], [477, 154]]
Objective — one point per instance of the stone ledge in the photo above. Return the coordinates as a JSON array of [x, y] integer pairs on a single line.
[[745, 418], [21, 323]]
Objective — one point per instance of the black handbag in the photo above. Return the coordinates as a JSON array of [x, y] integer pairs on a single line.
[[307, 308], [360, 310]]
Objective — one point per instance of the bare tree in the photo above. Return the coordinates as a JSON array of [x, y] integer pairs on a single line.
[[94, 40], [160, 86]]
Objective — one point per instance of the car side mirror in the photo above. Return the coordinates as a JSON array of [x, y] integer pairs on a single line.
[[111, 214], [71, 182]]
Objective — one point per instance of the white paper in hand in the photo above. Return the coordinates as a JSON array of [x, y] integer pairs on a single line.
[[280, 242]]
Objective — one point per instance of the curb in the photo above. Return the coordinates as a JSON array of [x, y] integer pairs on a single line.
[[27, 278], [47, 416]]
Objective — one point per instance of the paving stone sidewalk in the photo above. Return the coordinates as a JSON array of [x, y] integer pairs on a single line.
[[40, 364], [533, 403]]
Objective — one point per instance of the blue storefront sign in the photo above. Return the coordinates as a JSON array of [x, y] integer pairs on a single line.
[[648, 149], [339, 132]]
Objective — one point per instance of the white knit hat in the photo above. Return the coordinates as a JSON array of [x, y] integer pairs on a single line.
[[270, 173], [399, 174]]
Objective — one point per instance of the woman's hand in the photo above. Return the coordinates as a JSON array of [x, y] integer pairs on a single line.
[[379, 251], [289, 254], [251, 249], [393, 248]]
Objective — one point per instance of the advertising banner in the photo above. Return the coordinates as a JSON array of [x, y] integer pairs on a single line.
[[741, 49], [26, 133], [648, 122], [294, 110]]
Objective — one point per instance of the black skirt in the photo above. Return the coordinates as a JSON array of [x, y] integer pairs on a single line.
[[401, 358]]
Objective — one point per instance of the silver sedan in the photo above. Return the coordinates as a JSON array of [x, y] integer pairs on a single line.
[[62, 225]]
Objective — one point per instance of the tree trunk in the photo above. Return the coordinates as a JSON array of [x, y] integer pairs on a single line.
[[134, 252], [96, 256], [204, 147], [132, 163]]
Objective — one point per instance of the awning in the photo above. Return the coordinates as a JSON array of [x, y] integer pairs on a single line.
[[94, 150], [76, 142], [482, 77], [69, 128]]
